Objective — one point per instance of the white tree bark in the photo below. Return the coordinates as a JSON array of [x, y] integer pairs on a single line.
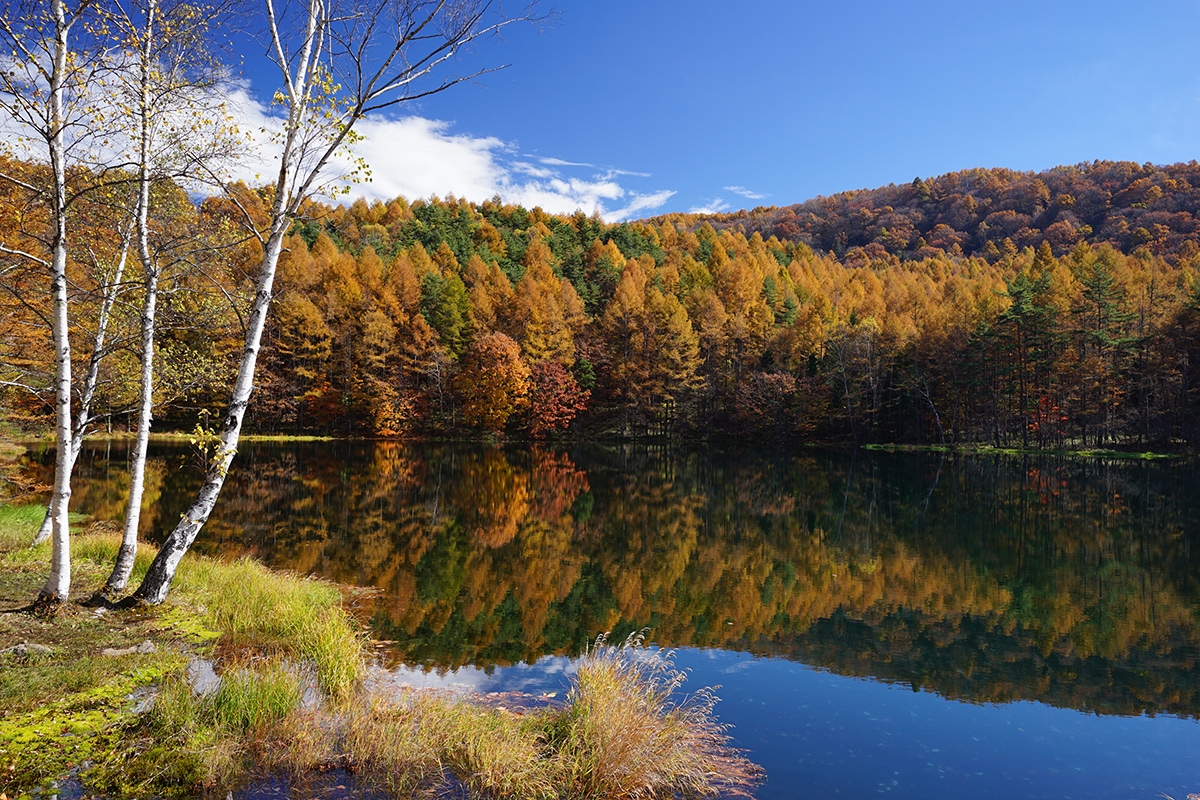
[[157, 583], [83, 416], [123, 566], [379, 49], [44, 90], [58, 584]]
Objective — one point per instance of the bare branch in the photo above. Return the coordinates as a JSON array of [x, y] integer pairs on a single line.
[[22, 254]]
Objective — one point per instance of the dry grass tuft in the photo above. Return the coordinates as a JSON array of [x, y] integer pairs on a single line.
[[624, 735]]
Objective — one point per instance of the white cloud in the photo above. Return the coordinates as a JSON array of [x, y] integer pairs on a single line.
[[547, 674], [744, 192], [642, 202], [558, 162], [532, 171], [611, 173], [714, 206], [415, 157]]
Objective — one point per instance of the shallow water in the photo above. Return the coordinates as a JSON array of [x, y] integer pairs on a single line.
[[908, 625]]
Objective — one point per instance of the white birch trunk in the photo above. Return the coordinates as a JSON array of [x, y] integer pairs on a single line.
[[123, 566], [58, 583], [83, 417], [157, 582]]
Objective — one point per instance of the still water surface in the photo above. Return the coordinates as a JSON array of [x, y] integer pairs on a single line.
[[908, 625]]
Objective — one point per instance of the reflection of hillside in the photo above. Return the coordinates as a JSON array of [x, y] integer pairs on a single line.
[[976, 660], [986, 579]]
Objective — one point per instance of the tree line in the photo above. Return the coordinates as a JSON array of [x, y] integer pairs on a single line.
[[441, 316], [444, 316], [974, 211]]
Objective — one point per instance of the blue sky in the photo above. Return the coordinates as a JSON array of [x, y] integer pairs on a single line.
[[637, 108]]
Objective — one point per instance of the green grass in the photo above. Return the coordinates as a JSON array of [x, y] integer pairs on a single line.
[[985, 450], [299, 617], [249, 699], [18, 524], [273, 636]]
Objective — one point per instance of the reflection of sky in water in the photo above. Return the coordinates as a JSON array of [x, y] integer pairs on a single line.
[[821, 735], [549, 674]]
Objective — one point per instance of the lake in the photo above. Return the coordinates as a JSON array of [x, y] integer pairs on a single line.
[[910, 625]]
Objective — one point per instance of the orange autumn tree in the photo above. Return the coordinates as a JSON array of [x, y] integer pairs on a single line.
[[557, 398], [494, 382], [545, 309]]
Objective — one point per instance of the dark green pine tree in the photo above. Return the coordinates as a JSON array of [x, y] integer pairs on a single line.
[[1106, 342], [446, 308], [1028, 333]]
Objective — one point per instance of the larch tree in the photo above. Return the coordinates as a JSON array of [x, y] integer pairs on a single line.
[[494, 382], [339, 61]]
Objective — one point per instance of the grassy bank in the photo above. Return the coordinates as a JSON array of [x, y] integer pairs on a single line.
[[295, 699], [70, 688], [988, 450]]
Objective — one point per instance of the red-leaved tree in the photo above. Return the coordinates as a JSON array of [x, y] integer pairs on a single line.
[[557, 398]]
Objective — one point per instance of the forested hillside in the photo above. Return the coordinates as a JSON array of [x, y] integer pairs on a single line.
[[984, 306], [985, 212]]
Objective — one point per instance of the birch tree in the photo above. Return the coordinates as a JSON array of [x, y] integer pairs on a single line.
[[182, 133], [110, 283], [339, 60], [43, 91]]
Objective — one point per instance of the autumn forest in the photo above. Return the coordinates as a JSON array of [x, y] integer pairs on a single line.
[[1050, 310]]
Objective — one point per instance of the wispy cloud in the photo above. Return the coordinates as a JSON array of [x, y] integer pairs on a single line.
[[558, 162], [612, 173], [714, 206], [639, 203], [415, 157], [744, 192]]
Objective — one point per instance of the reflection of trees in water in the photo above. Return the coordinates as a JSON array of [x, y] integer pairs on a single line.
[[971, 658], [983, 578]]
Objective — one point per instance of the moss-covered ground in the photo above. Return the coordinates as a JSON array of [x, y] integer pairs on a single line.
[[75, 680], [84, 698]]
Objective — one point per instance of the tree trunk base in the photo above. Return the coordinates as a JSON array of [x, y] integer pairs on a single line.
[[106, 598], [127, 602], [43, 606]]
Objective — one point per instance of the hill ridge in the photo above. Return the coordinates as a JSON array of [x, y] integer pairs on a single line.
[[1121, 203]]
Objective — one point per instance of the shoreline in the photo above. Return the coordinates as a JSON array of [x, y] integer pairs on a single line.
[[105, 698], [180, 437]]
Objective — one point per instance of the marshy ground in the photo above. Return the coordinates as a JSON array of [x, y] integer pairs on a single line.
[[104, 698]]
